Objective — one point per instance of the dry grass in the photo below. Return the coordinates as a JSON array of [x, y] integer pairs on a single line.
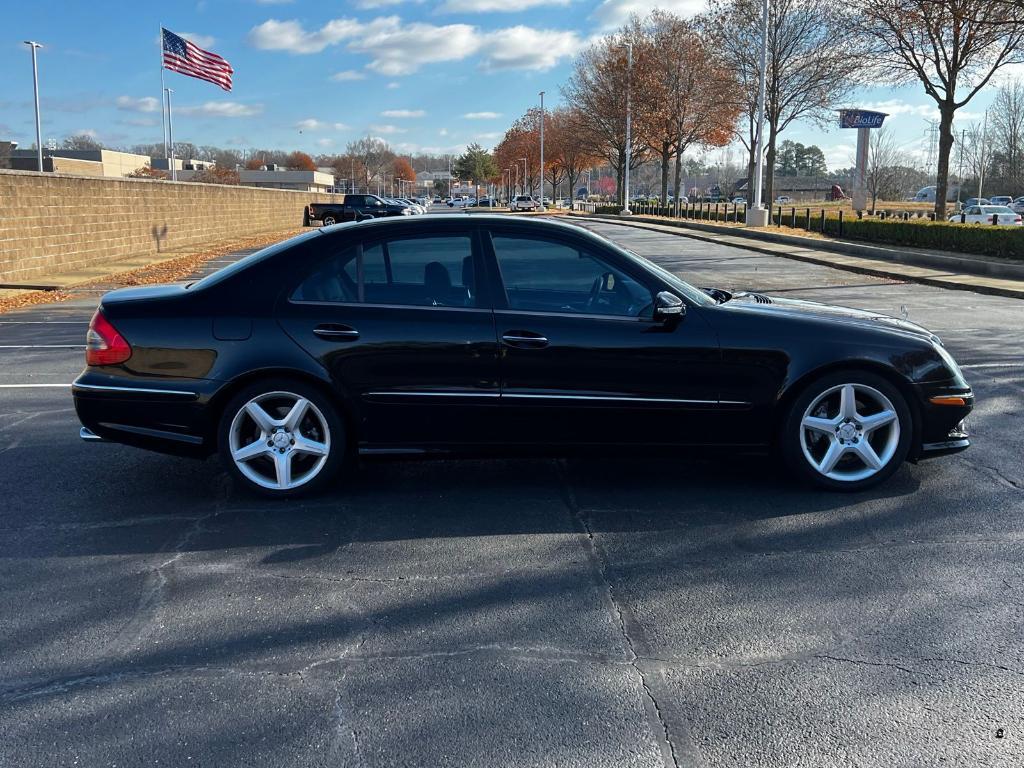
[[175, 268]]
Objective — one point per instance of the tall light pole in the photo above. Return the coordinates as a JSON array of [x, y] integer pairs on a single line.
[[525, 174], [542, 150], [170, 135], [757, 214], [35, 86], [629, 121]]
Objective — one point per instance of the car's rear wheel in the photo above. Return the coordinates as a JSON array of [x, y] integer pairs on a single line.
[[328, 220], [281, 438], [848, 430]]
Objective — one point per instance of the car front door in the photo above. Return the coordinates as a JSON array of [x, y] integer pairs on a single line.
[[583, 359], [398, 321]]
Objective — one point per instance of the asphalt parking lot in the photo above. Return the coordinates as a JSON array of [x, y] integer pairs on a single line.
[[613, 611]]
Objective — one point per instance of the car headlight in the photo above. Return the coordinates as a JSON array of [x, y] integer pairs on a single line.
[[948, 359]]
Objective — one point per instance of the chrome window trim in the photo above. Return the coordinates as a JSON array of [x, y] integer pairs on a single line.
[[139, 390], [388, 306], [583, 315]]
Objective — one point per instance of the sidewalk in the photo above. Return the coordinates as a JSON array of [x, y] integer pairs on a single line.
[[957, 272]]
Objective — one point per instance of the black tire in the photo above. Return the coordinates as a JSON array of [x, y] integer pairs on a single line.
[[334, 438], [329, 219], [792, 438]]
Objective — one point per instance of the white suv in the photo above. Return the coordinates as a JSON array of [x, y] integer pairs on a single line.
[[524, 203]]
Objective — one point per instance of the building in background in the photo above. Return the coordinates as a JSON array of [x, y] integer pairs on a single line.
[[302, 181], [79, 162]]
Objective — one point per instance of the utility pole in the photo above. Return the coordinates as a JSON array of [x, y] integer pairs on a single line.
[[757, 214], [35, 86], [984, 136]]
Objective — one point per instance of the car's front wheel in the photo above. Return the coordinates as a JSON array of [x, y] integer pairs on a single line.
[[848, 430], [281, 438], [329, 220]]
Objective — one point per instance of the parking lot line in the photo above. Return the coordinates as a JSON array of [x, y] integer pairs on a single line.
[[42, 346]]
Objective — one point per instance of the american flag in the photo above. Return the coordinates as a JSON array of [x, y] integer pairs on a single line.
[[187, 58]]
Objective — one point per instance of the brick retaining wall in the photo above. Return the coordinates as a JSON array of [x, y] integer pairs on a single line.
[[55, 223]]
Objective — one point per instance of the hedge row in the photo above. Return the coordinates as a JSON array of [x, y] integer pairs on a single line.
[[981, 239]]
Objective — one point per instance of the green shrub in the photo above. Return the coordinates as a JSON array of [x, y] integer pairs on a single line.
[[1007, 242]]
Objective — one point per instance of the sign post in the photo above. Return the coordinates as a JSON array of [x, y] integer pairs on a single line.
[[863, 121]]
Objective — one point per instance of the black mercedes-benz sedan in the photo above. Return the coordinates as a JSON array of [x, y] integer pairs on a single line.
[[490, 334]]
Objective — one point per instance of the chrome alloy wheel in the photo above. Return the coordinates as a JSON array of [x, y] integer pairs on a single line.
[[279, 440], [850, 432]]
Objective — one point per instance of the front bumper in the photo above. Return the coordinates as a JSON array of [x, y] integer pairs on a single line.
[[958, 439]]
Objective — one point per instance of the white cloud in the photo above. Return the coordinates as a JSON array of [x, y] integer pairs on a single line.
[[482, 115], [222, 109], [348, 74], [203, 41], [393, 85], [387, 129], [144, 104], [895, 107], [403, 113], [274, 35], [840, 155], [325, 142], [488, 136], [370, 4], [274, 2], [443, 132], [494, 6], [395, 48], [312, 124], [612, 14], [527, 48]]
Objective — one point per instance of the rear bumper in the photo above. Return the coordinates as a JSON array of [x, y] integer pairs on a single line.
[[158, 416]]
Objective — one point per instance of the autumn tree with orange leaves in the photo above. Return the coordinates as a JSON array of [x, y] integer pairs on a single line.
[[689, 93]]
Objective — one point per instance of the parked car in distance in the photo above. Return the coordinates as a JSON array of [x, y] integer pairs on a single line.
[[783, 199], [971, 201], [356, 208], [1001, 199], [431, 335], [739, 201], [1018, 205], [982, 214], [461, 202], [524, 203], [486, 202]]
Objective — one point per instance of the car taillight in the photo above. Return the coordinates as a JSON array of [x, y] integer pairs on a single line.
[[104, 345]]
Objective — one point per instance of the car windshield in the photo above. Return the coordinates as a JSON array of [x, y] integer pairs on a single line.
[[995, 209], [695, 295], [253, 258]]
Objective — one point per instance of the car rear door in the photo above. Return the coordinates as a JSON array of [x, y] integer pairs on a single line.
[[395, 315], [582, 359]]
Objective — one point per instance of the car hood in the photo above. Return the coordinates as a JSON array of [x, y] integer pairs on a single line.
[[844, 315]]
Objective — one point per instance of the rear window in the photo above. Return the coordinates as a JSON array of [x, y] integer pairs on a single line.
[[253, 258]]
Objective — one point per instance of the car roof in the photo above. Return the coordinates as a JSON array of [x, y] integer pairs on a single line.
[[398, 222]]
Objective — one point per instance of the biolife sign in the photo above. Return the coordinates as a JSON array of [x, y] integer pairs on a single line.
[[863, 120]]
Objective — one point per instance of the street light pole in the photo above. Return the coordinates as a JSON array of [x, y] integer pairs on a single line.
[[170, 136], [757, 214], [35, 86], [629, 122], [542, 150], [525, 174]]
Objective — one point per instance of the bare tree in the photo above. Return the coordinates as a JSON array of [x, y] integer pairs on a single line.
[[597, 90], [952, 47], [373, 155], [886, 165], [808, 73], [1006, 134]]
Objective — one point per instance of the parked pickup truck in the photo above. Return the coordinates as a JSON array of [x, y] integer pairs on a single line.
[[354, 208]]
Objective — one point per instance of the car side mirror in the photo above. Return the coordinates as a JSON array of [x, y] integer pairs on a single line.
[[668, 305]]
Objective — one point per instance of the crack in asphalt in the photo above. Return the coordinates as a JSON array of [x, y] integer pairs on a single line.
[[628, 625]]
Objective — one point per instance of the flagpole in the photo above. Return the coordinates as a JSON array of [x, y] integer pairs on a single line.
[[170, 137], [163, 106]]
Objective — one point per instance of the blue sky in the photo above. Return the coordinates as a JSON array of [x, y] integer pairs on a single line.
[[431, 75]]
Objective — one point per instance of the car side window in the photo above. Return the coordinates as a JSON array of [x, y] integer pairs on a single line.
[[543, 275], [973, 210], [425, 271]]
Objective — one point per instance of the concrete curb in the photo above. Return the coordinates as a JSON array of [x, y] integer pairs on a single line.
[[954, 273]]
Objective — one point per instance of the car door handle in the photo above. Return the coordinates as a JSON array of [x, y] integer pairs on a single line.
[[525, 339], [340, 332]]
